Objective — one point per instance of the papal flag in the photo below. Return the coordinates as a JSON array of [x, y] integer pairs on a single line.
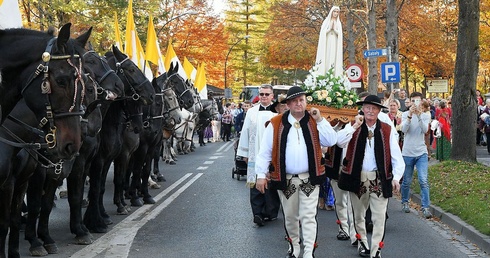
[[117, 32], [171, 57], [190, 70], [133, 47], [200, 82], [153, 53], [10, 14]]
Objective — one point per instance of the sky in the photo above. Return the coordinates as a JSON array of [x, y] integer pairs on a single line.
[[218, 6]]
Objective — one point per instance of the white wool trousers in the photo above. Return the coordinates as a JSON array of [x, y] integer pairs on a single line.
[[343, 208], [370, 196], [299, 203]]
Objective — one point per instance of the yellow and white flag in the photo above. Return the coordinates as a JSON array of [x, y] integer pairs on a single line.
[[189, 69], [200, 82], [117, 32], [171, 57], [153, 53], [10, 16], [133, 47]]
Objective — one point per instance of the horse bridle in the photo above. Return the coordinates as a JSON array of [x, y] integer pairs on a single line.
[[120, 70], [107, 68], [43, 68], [181, 102], [166, 109]]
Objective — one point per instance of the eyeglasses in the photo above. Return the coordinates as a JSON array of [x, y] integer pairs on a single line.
[[264, 94]]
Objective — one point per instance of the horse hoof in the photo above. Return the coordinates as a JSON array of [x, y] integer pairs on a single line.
[[38, 251], [98, 230], [155, 186], [127, 207], [149, 200], [172, 163], [84, 240], [51, 248], [160, 177], [122, 211], [136, 202], [108, 221]]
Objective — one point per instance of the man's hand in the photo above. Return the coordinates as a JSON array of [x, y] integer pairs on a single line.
[[261, 184], [396, 185], [245, 159], [359, 119], [315, 113]]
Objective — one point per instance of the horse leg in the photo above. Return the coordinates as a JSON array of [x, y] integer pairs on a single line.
[[46, 208], [145, 174], [156, 170], [92, 218], [119, 177], [105, 217], [14, 233], [75, 185], [34, 196]]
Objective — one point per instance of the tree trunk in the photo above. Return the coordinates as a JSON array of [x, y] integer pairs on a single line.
[[464, 101], [351, 48], [391, 33], [371, 44]]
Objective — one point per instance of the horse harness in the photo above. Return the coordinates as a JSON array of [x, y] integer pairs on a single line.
[[181, 102], [120, 70], [164, 113], [49, 138]]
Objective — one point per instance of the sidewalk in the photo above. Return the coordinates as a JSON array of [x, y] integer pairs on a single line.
[[458, 225]]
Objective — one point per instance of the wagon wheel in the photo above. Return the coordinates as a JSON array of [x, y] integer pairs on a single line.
[[233, 173], [238, 177]]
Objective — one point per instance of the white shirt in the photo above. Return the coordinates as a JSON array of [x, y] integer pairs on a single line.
[[296, 154], [369, 163]]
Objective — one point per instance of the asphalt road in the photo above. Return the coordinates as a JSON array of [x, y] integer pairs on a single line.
[[202, 212]]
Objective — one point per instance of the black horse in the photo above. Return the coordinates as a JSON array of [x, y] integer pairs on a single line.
[[36, 66], [163, 113], [102, 84], [138, 91]]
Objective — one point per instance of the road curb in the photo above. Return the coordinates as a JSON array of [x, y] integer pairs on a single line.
[[461, 227]]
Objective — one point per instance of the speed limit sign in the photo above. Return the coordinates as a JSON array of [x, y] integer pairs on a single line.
[[354, 72]]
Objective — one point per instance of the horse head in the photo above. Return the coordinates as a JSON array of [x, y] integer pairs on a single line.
[[171, 105], [109, 85], [135, 82], [177, 83], [61, 90]]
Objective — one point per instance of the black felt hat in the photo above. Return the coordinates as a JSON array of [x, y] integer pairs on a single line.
[[294, 92], [371, 99]]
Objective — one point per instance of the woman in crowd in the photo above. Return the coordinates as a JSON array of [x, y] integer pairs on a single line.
[[443, 143], [396, 117]]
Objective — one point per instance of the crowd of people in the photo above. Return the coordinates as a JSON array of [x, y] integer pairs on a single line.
[[299, 162]]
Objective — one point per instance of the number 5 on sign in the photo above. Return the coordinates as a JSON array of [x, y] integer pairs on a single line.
[[354, 72]]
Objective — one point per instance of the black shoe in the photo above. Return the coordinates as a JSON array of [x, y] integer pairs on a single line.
[[363, 251], [369, 227], [269, 218], [355, 243], [342, 236], [258, 220], [378, 254]]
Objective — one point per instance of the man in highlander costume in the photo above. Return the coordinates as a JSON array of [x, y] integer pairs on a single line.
[[372, 169], [265, 206], [290, 157]]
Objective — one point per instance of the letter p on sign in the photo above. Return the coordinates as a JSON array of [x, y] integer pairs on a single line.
[[390, 72]]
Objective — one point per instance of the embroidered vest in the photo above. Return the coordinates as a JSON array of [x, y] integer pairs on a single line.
[[277, 168], [350, 176]]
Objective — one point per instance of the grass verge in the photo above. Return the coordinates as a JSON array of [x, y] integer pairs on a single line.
[[463, 189]]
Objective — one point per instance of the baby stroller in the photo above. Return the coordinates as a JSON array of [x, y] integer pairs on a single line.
[[240, 168]]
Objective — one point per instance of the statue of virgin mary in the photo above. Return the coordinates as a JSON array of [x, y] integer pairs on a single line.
[[329, 53]]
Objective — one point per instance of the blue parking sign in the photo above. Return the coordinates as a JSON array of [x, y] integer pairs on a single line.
[[390, 72]]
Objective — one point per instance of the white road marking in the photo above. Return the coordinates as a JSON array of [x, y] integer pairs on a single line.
[[208, 162], [201, 168], [215, 157], [118, 241]]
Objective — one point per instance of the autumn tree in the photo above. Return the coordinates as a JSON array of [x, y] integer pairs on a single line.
[[464, 95]]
